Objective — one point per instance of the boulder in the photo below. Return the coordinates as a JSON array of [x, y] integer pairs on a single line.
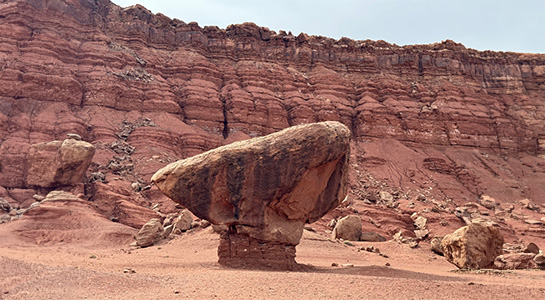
[[540, 260], [531, 248], [183, 221], [372, 237], [348, 228], [488, 202], [149, 233], [58, 163], [473, 247], [515, 261], [265, 188], [435, 245], [4, 205]]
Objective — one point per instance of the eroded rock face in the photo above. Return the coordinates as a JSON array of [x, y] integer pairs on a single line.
[[265, 188], [58, 163], [515, 261], [473, 247]]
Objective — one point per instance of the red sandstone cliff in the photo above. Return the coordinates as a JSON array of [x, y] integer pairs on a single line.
[[435, 125]]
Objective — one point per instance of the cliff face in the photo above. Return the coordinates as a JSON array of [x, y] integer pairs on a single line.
[[441, 120]]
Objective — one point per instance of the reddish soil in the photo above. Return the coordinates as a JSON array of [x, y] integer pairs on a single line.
[[186, 268]]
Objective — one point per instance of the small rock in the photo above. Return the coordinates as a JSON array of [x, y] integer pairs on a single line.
[[531, 248], [528, 204], [387, 264], [38, 197], [204, 223], [129, 271], [435, 244], [334, 264], [74, 136], [515, 261], [184, 221], [540, 260], [420, 223], [4, 205], [149, 233], [167, 230], [309, 228], [136, 186], [348, 243], [372, 237], [5, 218], [332, 223], [384, 255], [488, 202], [413, 244], [421, 234], [347, 265]]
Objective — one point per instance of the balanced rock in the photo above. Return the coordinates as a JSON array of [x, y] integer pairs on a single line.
[[348, 228], [58, 163], [264, 189], [473, 247]]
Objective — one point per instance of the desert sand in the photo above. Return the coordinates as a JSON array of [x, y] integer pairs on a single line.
[[186, 268]]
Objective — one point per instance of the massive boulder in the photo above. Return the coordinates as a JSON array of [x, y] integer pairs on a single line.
[[58, 163], [264, 189], [473, 247]]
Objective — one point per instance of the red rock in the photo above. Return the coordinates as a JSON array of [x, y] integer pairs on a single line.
[[441, 120]]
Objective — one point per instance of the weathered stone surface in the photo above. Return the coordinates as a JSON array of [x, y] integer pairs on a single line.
[[149, 233], [183, 221], [473, 247], [267, 187], [531, 248], [540, 260], [435, 245], [372, 237], [348, 228], [58, 163], [4, 205], [515, 261]]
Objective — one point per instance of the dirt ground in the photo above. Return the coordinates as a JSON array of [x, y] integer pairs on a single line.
[[186, 268]]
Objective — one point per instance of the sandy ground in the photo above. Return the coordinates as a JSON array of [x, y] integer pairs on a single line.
[[186, 268]]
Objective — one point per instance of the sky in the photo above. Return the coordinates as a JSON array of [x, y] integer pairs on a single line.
[[499, 25]]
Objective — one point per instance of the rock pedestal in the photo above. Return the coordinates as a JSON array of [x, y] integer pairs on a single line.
[[265, 189], [239, 250]]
